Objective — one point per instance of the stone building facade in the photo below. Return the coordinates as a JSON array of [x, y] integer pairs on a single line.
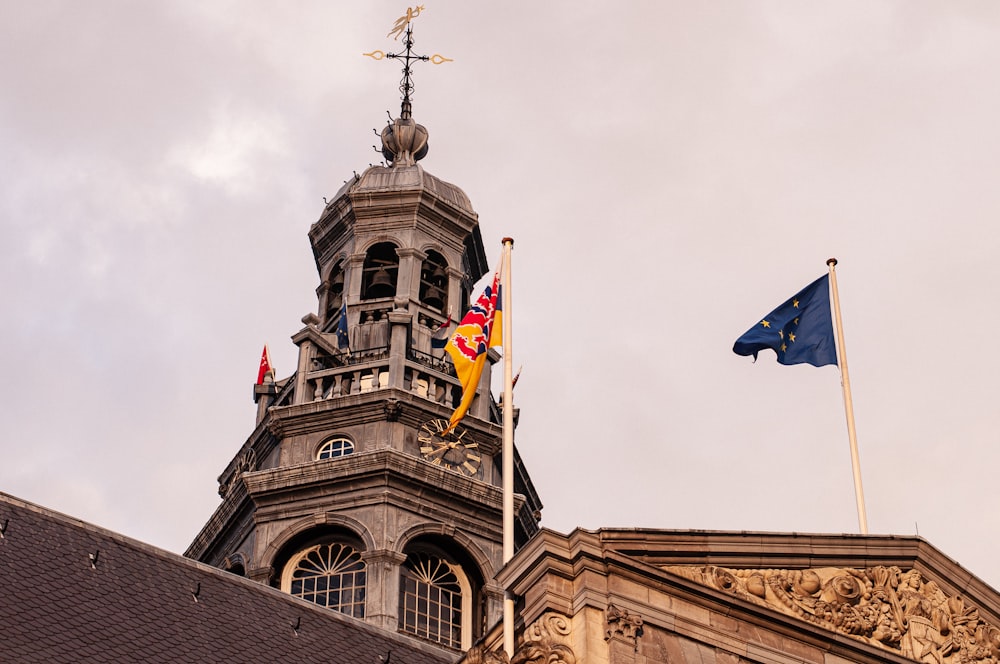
[[362, 528], [344, 494], [617, 596]]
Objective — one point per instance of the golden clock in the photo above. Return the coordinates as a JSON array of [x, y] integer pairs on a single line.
[[454, 450]]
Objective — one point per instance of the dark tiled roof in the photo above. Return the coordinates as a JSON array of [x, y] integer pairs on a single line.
[[137, 604]]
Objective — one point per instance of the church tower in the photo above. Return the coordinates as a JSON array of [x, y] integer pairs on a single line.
[[345, 494]]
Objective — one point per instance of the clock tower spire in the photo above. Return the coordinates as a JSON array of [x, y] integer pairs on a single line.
[[346, 493]]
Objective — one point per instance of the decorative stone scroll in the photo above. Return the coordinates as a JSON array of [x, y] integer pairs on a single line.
[[543, 642], [480, 655], [883, 606]]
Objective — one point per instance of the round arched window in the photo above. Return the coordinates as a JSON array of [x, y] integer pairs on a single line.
[[434, 601], [331, 575], [335, 447]]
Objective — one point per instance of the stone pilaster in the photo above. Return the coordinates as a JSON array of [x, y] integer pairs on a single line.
[[399, 323], [382, 588], [408, 281], [622, 634]]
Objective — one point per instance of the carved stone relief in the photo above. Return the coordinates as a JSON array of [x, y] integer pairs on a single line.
[[543, 642], [622, 624], [883, 606]]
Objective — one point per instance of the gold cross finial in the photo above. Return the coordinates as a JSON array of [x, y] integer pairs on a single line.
[[403, 26]]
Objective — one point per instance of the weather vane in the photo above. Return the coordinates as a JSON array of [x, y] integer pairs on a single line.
[[403, 26]]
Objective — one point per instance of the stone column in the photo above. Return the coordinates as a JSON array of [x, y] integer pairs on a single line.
[[323, 299], [455, 303], [353, 278], [382, 588], [305, 360], [261, 574], [408, 279], [263, 396], [399, 328], [494, 603]]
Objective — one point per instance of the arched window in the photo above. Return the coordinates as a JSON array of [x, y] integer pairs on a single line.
[[331, 575], [379, 272], [235, 564], [434, 282], [335, 291], [337, 446], [435, 600]]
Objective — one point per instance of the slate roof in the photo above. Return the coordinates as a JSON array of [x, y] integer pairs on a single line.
[[137, 603]]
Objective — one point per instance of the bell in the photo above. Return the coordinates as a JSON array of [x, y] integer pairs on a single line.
[[439, 276], [434, 298], [337, 285], [381, 284]]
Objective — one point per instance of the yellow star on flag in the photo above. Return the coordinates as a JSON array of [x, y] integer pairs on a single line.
[[765, 323], [795, 303], [783, 348], [791, 337]]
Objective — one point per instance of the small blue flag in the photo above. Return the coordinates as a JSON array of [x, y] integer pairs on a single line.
[[342, 338], [799, 331]]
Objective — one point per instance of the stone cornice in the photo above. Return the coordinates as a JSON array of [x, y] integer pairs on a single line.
[[379, 477], [567, 573], [369, 407], [798, 551]]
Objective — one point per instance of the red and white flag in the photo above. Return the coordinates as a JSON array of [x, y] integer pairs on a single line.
[[265, 367]]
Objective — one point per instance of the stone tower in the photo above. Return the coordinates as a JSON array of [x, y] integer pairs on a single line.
[[340, 495]]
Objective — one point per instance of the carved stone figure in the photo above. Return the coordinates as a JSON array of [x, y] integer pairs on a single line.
[[884, 606]]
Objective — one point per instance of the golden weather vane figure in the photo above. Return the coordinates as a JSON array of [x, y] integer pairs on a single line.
[[403, 21]]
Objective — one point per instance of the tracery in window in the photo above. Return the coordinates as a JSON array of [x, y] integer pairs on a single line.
[[335, 447], [434, 600], [331, 575]]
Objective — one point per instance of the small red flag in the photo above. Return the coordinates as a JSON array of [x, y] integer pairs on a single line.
[[265, 366]]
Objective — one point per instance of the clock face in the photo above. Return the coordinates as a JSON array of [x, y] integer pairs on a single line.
[[454, 450]]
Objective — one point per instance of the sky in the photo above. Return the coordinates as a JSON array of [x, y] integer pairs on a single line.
[[670, 172]]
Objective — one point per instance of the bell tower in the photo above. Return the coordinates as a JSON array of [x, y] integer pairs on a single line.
[[341, 494]]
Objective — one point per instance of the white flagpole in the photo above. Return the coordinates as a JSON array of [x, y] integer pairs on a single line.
[[845, 381], [508, 444]]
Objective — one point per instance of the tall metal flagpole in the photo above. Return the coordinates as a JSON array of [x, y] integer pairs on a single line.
[[508, 444], [845, 381]]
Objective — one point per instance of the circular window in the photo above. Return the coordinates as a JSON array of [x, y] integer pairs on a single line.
[[335, 447]]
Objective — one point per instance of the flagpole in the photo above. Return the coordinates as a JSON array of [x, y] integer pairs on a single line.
[[845, 381], [508, 444]]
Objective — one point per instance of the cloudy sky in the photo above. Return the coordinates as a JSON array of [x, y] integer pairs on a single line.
[[670, 172]]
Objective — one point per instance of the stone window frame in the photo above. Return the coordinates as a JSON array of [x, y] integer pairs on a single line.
[[432, 582], [337, 572], [341, 444]]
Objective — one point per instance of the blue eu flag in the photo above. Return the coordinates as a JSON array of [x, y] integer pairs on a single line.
[[799, 331], [342, 339]]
